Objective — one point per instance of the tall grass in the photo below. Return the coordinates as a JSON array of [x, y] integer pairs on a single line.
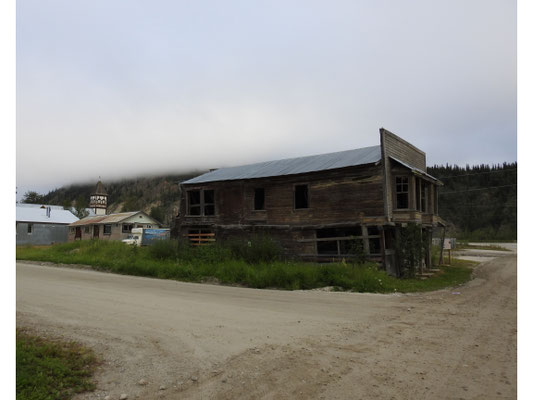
[[224, 264]]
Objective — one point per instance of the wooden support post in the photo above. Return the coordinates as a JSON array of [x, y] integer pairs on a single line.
[[442, 245], [366, 245]]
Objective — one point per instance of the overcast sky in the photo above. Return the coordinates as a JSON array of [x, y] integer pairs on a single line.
[[124, 88]]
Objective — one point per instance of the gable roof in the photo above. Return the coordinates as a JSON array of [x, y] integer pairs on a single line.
[[35, 214], [292, 166], [111, 218]]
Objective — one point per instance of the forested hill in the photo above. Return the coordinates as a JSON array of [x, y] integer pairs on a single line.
[[156, 195], [480, 201]]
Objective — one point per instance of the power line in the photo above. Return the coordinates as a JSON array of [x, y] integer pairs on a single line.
[[474, 190]]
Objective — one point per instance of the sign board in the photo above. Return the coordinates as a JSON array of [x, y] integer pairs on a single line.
[[449, 243]]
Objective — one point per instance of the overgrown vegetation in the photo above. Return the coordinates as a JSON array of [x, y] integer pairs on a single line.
[[51, 369], [480, 200], [255, 263]]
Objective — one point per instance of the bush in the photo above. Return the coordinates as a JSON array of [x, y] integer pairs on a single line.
[[257, 249]]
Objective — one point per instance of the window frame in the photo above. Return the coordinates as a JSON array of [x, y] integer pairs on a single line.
[[262, 189], [104, 229], [308, 196], [125, 230], [29, 229], [396, 192], [202, 205]]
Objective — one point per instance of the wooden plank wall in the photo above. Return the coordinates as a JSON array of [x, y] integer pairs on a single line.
[[334, 196]]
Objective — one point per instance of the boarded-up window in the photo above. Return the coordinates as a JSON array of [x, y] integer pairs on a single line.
[[402, 192], [193, 202], [259, 199], [301, 196]]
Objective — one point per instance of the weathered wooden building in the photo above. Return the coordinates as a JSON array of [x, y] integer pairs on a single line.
[[317, 206]]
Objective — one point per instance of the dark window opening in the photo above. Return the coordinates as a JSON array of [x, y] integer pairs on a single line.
[[30, 228], [259, 199], [201, 202], [193, 198], [107, 229], [374, 245], [338, 232], [329, 247], [86, 229], [126, 228], [402, 192], [209, 202], [373, 230], [351, 246], [301, 196]]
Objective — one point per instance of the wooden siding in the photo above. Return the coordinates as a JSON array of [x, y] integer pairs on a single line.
[[347, 194]]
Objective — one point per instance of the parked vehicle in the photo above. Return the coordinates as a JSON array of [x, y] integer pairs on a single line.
[[146, 236]]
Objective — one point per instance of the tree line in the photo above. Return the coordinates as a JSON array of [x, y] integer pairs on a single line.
[[479, 201]]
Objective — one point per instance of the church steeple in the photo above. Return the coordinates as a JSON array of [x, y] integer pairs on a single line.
[[98, 200]]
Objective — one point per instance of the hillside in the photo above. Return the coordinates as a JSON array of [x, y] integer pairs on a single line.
[[480, 201], [158, 196]]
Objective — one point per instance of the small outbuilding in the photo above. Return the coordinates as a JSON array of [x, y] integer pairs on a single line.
[[42, 224]]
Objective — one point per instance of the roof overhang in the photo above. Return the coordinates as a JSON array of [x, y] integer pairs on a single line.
[[418, 172]]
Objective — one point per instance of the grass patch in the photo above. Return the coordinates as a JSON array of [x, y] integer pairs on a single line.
[[51, 369], [223, 264]]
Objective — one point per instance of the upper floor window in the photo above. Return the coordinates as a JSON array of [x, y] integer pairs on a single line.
[[402, 192], [259, 199], [301, 196], [201, 202]]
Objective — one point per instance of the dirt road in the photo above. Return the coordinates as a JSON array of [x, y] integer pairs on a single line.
[[206, 341]]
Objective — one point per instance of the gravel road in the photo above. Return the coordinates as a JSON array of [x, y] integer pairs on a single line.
[[206, 341]]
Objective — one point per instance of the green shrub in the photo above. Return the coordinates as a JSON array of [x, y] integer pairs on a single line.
[[257, 249]]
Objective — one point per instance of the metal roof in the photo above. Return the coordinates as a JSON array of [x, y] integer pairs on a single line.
[[417, 170], [108, 219], [292, 166], [35, 214]]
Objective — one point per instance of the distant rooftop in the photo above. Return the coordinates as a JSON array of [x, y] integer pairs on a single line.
[[106, 219], [293, 166], [36, 213]]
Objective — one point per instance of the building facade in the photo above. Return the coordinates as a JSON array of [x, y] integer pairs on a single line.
[[110, 227], [42, 224], [318, 207]]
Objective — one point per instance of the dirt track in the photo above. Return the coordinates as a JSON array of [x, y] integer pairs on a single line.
[[207, 341]]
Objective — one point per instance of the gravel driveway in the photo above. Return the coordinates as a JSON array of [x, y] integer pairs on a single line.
[[207, 341]]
